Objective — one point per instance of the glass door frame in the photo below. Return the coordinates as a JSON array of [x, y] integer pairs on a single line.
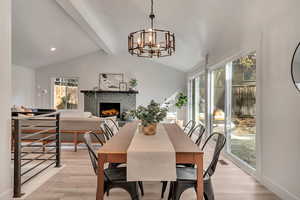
[[190, 95], [227, 64], [228, 86], [210, 91]]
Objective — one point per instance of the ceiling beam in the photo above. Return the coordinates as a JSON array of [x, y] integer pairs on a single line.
[[84, 17]]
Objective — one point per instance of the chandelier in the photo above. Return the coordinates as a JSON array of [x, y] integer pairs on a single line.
[[152, 42]]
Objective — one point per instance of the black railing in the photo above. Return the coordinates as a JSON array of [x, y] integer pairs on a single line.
[[36, 146]]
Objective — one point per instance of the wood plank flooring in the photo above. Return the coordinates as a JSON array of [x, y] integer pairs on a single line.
[[78, 182]]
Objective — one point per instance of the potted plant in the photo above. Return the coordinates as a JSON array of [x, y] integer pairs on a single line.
[[133, 83], [181, 100], [150, 116]]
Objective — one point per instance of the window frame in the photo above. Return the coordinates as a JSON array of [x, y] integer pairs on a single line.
[[52, 91]]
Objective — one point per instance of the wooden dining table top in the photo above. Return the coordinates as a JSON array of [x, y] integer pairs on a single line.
[[121, 142]]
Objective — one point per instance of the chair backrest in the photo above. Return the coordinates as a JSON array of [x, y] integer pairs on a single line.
[[113, 123], [100, 137], [92, 153], [219, 145], [107, 131], [189, 126], [198, 132]]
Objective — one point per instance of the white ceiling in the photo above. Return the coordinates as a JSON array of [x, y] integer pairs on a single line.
[[37, 26], [201, 27]]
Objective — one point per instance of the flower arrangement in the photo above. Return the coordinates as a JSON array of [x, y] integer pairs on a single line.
[[150, 116]]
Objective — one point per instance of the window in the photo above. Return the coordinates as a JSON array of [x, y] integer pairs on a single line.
[[65, 93]]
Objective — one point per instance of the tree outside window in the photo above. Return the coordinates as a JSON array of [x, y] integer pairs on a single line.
[[66, 93]]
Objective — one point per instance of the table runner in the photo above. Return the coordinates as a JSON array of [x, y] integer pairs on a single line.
[[151, 158]]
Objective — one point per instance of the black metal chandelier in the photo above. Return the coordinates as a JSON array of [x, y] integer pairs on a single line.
[[152, 42]]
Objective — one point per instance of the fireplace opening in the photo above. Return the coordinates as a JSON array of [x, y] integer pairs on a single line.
[[110, 110]]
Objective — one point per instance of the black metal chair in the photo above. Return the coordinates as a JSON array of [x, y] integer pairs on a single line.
[[187, 177], [113, 122], [112, 126], [189, 126], [198, 131], [102, 141], [113, 177], [108, 130], [100, 137]]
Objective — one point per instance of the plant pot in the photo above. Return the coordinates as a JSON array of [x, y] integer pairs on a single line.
[[132, 89], [150, 129]]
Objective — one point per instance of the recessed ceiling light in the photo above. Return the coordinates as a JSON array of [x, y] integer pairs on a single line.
[[53, 49]]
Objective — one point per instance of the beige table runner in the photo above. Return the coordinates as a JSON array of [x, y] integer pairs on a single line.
[[151, 158]]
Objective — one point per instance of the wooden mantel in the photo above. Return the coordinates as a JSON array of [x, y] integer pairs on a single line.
[[105, 91]]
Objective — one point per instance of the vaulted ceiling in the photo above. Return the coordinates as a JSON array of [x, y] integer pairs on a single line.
[[79, 27]]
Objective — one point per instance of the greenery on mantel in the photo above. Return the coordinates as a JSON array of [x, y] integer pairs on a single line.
[[150, 114], [133, 83], [181, 100]]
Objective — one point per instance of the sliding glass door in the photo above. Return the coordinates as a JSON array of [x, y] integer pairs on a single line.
[[242, 114], [197, 88], [231, 90], [217, 104], [200, 99]]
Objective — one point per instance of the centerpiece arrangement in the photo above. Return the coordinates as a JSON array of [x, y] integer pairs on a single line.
[[150, 116]]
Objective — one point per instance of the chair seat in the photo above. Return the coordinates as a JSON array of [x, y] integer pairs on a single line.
[[187, 174], [116, 174]]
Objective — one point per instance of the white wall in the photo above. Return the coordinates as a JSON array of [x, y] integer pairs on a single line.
[[280, 103], [277, 33], [5, 87], [23, 86], [155, 81]]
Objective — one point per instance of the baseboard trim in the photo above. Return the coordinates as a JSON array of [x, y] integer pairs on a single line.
[[278, 190], [7, 195]]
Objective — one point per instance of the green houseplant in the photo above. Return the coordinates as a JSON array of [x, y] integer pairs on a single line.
[[181, 100], [133, 83], [150, 116]]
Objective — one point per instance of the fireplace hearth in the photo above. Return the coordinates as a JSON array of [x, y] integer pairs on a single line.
[[110, 109]]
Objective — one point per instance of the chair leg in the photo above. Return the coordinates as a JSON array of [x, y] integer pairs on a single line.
[[107, 192], [141, 187], [179, 188], [163, 189], [133, 190], [171, 191], [130, 187], [208, 190]]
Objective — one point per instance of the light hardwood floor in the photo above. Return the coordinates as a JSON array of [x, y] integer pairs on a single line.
[[78, 182]]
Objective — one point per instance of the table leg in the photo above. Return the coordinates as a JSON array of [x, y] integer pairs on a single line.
[[100, 179], [75, 141], [199, 163]]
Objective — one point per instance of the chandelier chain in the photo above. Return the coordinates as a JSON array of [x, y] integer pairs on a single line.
[[152, 16]]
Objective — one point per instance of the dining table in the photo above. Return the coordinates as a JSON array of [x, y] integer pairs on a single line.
[[115, 151]]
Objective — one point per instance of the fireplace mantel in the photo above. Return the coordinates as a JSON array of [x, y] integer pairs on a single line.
[[104, 91], [93, 98]]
